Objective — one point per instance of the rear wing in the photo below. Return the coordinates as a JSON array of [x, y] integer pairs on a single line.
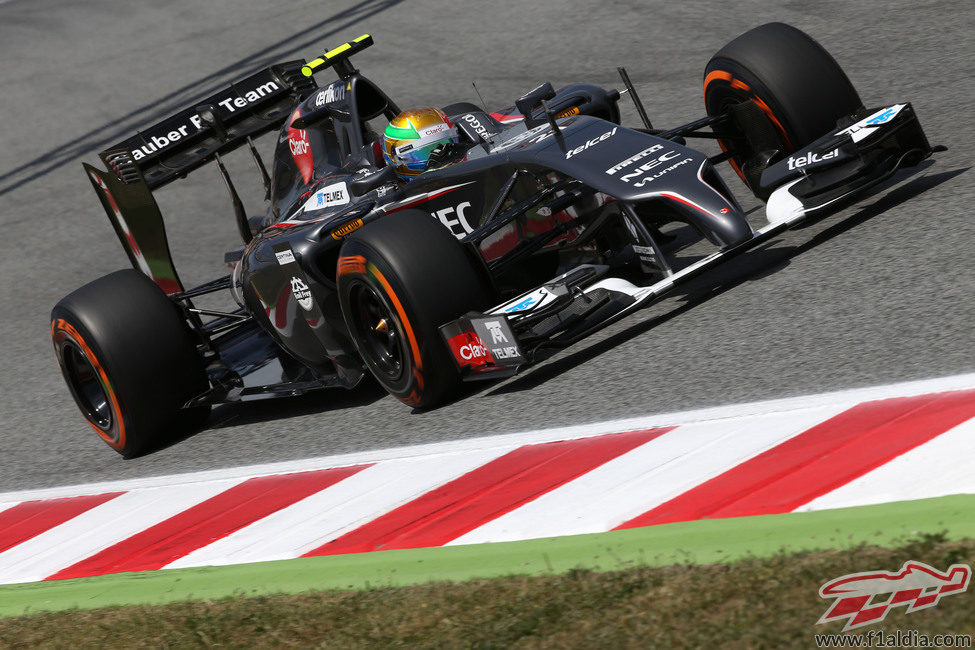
[[195, 136], [171, 149], [218, 123]]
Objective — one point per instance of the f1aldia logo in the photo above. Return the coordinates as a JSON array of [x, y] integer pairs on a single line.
[[301, 292], [916, 586]]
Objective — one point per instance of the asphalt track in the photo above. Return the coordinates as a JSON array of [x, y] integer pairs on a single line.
[[881, 292]]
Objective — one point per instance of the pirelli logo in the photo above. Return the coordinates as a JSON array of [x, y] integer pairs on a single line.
[[352, 264], [569, 112], [342, 231]]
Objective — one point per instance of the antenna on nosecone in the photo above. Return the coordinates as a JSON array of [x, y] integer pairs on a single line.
[[483, 104]]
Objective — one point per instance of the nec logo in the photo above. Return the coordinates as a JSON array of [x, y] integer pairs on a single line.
[[455, 219]]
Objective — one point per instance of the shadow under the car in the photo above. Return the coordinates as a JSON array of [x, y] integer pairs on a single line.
[[279, 408], [761, 262], [318, 401]]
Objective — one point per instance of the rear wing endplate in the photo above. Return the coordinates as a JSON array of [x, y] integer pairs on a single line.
[[138, 223]]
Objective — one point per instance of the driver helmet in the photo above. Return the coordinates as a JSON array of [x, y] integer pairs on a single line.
[[415, 134]]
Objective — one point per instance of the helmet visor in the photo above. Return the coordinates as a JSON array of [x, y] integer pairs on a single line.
[[416, 153]]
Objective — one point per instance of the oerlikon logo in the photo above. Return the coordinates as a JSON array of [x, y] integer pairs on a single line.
[[916, 586]]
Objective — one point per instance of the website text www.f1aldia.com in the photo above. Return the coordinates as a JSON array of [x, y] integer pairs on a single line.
[[896, 639]]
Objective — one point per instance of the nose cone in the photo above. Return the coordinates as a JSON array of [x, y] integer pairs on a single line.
[[637, 168]]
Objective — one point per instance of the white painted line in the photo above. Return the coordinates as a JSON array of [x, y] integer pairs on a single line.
[[929, 470], [101, 527], [348, 504], [648, 476], [936, 385]]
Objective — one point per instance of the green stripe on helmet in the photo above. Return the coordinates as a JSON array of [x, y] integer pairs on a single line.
[[397, 133]]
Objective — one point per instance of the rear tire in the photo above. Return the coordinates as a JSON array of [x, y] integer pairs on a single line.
[[130, 361], [799, 88], [399, 280]]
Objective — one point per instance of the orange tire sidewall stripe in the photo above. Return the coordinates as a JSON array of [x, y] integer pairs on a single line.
[[740, 85], [716, 74], [414, 346], [352, 264], [61, 325]]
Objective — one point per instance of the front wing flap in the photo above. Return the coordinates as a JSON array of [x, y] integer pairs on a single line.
[[483, 346], [845, 163], [498, 342]]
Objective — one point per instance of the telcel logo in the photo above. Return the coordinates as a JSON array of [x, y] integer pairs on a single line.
[[590, 143], [798, 162]]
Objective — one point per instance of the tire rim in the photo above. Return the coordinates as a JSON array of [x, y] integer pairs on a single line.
[[377, 331], [86, 386]]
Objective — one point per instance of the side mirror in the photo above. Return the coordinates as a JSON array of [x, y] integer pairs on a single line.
[[532, 99], [369, 182]]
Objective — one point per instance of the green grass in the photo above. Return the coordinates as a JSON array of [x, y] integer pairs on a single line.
[[745, 582], [758, 602]]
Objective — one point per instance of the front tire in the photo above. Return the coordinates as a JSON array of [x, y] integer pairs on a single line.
[[799, 89], [130, 361], [399, 280]]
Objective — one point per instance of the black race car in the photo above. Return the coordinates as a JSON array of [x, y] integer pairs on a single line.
[[546, 228]]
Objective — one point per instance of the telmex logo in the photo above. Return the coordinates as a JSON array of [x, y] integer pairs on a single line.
[[916, 586]]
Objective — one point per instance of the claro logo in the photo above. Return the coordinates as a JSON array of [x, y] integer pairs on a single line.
[[299, 146], [301, 149], [468, 352]]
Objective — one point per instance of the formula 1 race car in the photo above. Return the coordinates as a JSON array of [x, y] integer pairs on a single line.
[[545, 229]]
